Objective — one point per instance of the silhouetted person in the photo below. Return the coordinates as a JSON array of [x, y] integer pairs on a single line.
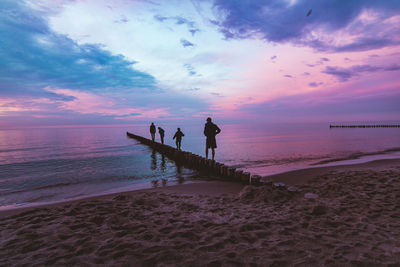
[[161, 132], [178, 135], [153, 131], [210, 131]]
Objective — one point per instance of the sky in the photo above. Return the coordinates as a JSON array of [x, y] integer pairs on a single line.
[[112, 62]]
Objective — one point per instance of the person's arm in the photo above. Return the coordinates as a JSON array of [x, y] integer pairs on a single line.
[[205, 130], [183, 134], [174, 136], [218, 130]]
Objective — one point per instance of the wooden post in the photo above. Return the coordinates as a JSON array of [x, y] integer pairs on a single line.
[[255, 179], [231, 173], [246, 177], [238, 175]]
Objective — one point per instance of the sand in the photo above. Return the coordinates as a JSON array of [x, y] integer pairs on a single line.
[[336, 217]]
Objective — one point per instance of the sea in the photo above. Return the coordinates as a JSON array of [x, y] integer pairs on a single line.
[[53, 164]]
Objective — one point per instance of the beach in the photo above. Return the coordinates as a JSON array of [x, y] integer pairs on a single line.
[[332, 216]]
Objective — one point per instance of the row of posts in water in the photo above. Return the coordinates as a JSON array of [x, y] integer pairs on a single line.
[[366, 126], [199, 163]]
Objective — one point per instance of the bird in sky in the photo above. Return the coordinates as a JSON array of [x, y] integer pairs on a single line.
[[309, 12]]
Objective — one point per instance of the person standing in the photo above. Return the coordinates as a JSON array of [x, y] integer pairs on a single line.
[[178, 136], [153, 131], [161, 132], [210, 131]]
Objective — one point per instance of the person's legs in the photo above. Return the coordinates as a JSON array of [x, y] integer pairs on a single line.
[[162, 139], [206, 152], [213, 153], [153, 136], [179, 144]]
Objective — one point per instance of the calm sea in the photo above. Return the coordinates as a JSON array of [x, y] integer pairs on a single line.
[[54, 164]]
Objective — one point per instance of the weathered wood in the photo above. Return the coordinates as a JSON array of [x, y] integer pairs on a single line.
[[366, 126], [195, 161]]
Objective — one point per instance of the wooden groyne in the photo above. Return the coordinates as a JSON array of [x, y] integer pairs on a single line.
[[366, 126], [199, 163]]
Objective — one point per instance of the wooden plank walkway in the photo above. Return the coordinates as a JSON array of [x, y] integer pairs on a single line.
[[366, 126]]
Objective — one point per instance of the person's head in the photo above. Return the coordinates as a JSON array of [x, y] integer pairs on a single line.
[[208, 119], [152, 123], [159, 128], [179, 129]]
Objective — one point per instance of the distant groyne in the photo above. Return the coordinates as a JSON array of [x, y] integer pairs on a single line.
[[199, 163], [366, 126]]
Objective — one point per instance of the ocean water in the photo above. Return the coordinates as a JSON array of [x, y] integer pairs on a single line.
[[56, 164]]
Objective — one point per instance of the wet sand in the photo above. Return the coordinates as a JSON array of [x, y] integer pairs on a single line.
[[343, 215]]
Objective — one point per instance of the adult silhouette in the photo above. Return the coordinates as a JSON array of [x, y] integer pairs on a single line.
[[210, 131], [153, 131], [178, 136], [161, 132]]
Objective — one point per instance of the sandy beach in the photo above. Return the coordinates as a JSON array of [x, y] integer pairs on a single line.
[[333, 216]]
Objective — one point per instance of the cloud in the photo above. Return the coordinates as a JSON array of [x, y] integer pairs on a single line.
[[178, 20], [44, 74], [344, 74], [288, 76], [29, 49], [190, 69], [160, 18], [122, 20], [193, 31], [89, 103], [364, 24], [314, 84], [186, 43], [323, 106]]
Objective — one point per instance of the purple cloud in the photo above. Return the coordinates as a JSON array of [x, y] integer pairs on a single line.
[[344, 74], [341, 74], [186, 43], [314, 84], [190, 69], [179, 21], [330, 104], [193, 31], [160, 18], [288, 76], [277, 21]]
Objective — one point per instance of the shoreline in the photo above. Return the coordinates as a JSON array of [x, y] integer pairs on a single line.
[[289, 178], [342, 215]]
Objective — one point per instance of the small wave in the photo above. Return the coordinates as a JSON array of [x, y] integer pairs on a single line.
[[358, 155], [22, 149], [277, 161], [72, 183]]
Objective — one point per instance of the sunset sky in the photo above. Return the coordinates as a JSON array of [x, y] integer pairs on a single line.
[[66, 62]]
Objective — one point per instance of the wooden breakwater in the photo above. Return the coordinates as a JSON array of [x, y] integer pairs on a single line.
[[199, 163], [366, 126]]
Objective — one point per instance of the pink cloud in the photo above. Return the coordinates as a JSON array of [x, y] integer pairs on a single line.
[[90, 103]]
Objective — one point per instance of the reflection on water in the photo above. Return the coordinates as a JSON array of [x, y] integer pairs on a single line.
[[153, 165], [54, 164]]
